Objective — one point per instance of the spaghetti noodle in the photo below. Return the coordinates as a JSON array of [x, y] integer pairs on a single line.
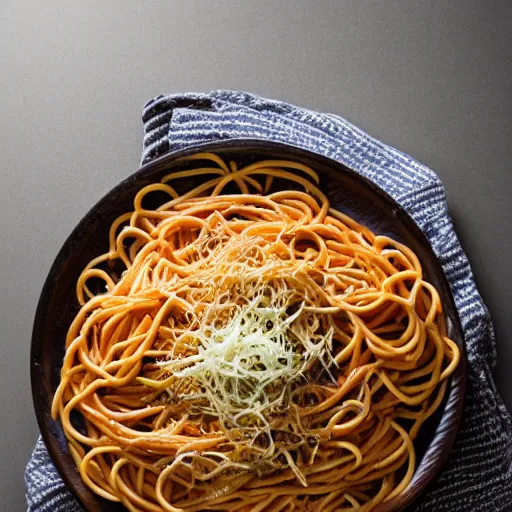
[[250, 349]]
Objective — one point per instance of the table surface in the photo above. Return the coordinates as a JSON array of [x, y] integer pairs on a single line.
[[433, 80]]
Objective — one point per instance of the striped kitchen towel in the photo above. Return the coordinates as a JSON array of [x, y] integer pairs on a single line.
[[478, 473]]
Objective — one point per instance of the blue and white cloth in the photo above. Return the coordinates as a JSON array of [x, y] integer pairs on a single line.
[[478, 474]]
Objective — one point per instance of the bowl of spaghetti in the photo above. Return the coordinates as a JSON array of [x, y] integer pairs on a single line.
[[247, 326]]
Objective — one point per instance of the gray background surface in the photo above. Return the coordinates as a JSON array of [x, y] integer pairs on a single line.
[[433, 80]]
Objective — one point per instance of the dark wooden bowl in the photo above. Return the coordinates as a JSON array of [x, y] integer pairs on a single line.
[[348, 192]]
